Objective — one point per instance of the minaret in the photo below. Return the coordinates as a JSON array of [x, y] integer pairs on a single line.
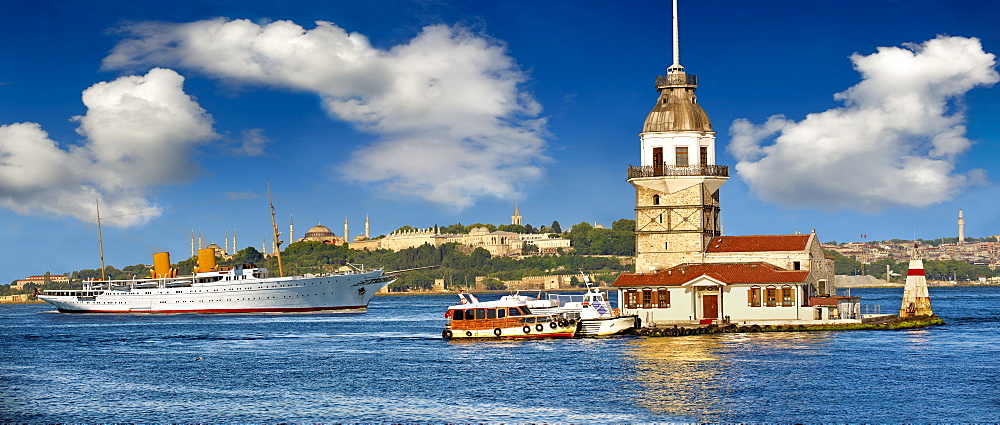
[[347, 235], [227, 242], [961, 227], [192, 243], [677, 184], [234, 242], [516, 218], [916, 299], [367, 235], [291, 230]]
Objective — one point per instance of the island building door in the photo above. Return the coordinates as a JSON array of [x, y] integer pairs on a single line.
[[710, 306]]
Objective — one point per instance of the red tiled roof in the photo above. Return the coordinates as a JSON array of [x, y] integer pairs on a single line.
[[760, 243], [728, 273]]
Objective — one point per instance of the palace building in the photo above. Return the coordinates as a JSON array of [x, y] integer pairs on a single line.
[[499, 243], [686, 270]]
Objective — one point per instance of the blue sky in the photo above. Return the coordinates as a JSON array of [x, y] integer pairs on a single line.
[[424, 113]]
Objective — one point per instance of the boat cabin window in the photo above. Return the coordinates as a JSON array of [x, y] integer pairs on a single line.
[[480, 314], [524, 310], [491, 314], [514, 311], [458, 315], [501, 313]]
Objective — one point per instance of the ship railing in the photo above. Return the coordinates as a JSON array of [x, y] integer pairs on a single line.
[[675, 171], [134, 283]]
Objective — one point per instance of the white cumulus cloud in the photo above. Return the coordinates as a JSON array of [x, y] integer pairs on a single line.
[[452, 122], [138, 131], [894, 142]]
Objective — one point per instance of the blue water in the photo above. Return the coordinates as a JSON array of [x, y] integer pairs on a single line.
[[390, 365]]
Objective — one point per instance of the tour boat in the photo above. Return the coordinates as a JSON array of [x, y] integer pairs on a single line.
[[241, 289], [504, 318], [592, 310]]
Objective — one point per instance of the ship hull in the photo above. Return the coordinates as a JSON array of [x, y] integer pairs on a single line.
[[607, 326], [349, 293]]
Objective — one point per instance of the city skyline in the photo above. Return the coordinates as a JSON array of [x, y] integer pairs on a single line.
[[437, 114]]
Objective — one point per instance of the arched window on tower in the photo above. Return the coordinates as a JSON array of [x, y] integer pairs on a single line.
[[656, 199]]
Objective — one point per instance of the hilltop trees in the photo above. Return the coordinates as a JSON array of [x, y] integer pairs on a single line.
[[618, 240]]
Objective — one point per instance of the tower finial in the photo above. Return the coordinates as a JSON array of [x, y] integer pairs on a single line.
[[677, 44], [676, 67]]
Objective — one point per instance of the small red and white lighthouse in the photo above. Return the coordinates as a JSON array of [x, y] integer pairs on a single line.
[[916, 299]]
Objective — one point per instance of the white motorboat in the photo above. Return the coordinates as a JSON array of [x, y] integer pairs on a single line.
[[592, 310]]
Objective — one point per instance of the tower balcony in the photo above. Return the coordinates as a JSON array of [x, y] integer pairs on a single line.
[[664, 170], [679, 79]]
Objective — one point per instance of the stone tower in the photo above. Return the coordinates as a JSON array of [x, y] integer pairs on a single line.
[[677, 183], [961, 227], [516, 218]]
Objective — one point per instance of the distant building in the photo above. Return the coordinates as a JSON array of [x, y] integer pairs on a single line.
[[498, 243], [38, 280], [321, 233]]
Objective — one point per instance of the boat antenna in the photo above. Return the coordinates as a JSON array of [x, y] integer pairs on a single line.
[[100, 239], [274, 225]]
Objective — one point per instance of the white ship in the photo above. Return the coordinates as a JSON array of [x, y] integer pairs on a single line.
[[240, 289]]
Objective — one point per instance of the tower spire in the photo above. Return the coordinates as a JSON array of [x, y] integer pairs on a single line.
[[676, 67]]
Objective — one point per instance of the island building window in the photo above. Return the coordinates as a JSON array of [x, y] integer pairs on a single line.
[[666, 246], [656, 199], [681, 155], [663, 298], [822, 286], [787, 296], [704, 156], [647, 298], [796, 265], [771, 296], [631, 299], [753, 297]]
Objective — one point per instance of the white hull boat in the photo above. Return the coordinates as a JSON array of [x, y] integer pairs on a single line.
[[592, 310]]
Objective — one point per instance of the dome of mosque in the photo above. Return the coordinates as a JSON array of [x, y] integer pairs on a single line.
[[319, 231]]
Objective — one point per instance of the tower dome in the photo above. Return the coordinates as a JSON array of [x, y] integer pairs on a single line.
[[677, 108]]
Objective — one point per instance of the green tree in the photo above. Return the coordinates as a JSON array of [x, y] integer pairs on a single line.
[[493, 284], [555, 227], [454, 229], [516, 228], [249, 255], [489, 227]]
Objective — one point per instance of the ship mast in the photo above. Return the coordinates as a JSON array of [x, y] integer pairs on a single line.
[[274, 226], [100, 239]]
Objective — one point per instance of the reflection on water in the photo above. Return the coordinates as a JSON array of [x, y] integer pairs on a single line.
[[679, 376], [703, 377]]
